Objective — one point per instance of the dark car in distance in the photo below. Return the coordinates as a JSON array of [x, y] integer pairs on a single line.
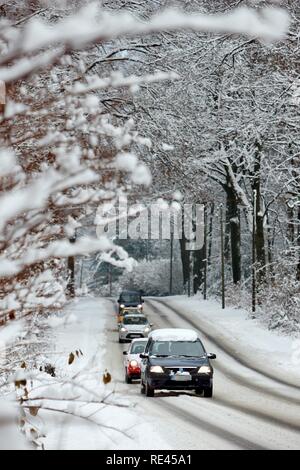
[[175, 359], [130, 300]]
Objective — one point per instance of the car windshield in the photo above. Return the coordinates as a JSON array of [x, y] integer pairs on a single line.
[[135, 320], [130, 298], [177, 348], [138, 348]]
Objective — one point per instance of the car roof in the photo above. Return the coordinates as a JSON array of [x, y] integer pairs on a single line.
[[174, 334], [130, 292]]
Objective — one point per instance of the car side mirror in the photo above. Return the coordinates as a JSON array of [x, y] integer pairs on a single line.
[[144, 355], [211, 356], [151, 324], [125, 353]]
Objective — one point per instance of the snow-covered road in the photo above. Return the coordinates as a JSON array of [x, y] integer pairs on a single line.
[[251, 408]]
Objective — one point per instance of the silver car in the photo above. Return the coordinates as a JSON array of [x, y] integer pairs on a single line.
[[134, 326]]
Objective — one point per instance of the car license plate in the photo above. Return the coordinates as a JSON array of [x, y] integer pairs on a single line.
[[181, 377], [135, 336]]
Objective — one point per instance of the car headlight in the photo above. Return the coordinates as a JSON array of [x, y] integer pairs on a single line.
[[140, 306], [204, 370], [156, 369], [122, 306], [147, 329], [123, 329], [133, 363]]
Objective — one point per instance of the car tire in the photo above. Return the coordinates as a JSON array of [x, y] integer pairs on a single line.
[[121, 341], [208, 392], [128, 379], [198, 391], [149, 391]]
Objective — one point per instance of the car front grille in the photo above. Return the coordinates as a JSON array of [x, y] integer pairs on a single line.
[[135, 335], [191, 370]]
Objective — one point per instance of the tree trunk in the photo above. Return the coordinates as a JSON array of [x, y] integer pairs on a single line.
[[236, 249], [210, 234], [290, 225], [227, 228], [270, 246], [199, 266], [259, 236], [71, 282], [298, 245], [185, 261], [235, 234], [260, 247]]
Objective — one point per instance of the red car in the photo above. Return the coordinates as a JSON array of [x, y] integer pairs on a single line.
[[132, 360]]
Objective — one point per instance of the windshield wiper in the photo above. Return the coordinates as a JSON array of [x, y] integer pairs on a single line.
[[185, 355], [176, 355], [160, 355]]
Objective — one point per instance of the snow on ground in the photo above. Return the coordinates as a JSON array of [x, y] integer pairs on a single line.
[[76, 410], [247, 336], [92, 415]]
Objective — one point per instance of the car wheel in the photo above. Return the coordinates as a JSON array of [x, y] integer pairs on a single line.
[[208, 392], [121, 341], [149, 391], [128, 379], [199, 391]]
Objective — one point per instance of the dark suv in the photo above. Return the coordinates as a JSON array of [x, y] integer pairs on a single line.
[[175, 359], [130, 300]]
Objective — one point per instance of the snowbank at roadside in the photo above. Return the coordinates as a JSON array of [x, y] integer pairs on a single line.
[[246, 336], [76, 410]]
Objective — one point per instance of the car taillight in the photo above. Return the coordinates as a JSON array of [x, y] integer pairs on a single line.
[[133, 363], [133, 366]]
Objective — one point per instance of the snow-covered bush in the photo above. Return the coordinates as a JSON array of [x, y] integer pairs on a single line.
[[277, 302]]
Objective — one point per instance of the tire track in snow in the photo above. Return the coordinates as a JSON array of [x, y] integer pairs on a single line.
[[231, 354], [213, 429], [188, 418], [243, 382]]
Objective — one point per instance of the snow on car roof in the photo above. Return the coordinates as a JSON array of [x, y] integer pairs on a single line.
[[135, 315], [139, 340], [174, 334]]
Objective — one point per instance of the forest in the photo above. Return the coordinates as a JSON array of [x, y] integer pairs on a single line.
[[199, 107]]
